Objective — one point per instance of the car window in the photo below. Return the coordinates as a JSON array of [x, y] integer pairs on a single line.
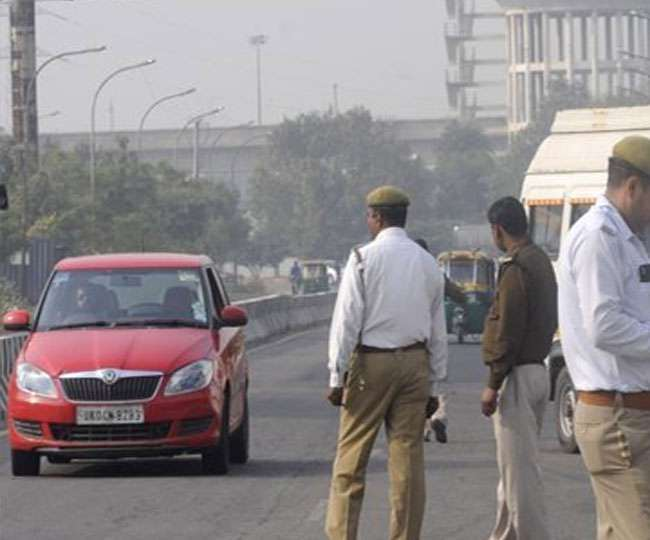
[[222, 289], [121, 296], [218, 300], [546, 227]]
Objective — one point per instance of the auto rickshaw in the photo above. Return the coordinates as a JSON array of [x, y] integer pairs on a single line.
[[475, 273], [315, 277]]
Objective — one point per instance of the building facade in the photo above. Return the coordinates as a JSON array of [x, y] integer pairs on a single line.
[[601, 45], [474, 36]]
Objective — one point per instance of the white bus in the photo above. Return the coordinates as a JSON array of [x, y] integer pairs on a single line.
[[566, 175]]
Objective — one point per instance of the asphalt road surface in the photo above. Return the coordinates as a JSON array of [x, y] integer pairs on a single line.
[[281, 493]]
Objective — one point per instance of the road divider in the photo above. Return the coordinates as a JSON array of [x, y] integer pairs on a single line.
[[269, 317]]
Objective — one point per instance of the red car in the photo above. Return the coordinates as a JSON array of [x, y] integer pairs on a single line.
[[131, 355]]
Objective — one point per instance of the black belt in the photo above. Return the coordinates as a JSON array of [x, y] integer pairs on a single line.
[[413, 347]]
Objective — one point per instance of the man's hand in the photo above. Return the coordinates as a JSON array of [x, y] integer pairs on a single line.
[[432, 405], [335, 396], [489, 400]]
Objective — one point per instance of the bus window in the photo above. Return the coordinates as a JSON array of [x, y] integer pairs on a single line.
[[546, 227], [579, 210]]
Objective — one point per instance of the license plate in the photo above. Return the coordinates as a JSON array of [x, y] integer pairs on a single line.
[[113, 414]]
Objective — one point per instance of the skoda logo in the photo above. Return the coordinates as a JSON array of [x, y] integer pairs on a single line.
[[109, 376]]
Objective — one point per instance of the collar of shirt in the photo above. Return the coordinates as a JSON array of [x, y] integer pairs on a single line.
[[391, 232], [616, 217]]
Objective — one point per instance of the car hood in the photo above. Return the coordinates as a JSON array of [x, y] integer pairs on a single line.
[[152, 349]]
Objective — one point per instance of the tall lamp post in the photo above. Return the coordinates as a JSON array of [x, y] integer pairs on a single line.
[[257, 42], [25, 161], [216, 140], [154, 105], [92, 133], [31, 97], [239, 150], [196, 120]]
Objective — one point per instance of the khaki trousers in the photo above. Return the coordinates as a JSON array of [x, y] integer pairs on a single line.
[[388, 388], [615, 446], [521, 510]]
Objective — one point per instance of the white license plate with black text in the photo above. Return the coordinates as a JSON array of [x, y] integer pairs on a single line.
[[110, 414]]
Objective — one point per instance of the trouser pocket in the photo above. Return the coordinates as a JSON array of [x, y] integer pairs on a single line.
[[603, 444]]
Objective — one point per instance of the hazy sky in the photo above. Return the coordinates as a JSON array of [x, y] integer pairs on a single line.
[[388, 55]]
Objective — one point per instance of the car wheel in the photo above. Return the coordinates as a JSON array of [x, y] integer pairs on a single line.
[[565, 406], [58, 460], [25, 463], [216, 459], [239, 441]]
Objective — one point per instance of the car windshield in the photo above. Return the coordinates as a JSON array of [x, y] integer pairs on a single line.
[[124, 297]]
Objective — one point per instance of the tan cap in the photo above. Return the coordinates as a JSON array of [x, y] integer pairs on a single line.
[[387, 196], [634, 150]]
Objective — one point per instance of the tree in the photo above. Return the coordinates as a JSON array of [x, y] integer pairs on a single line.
[[307, 197], [511, 168], [464, 168]]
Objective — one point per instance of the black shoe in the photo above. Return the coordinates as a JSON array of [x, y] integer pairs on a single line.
[[441, 431]]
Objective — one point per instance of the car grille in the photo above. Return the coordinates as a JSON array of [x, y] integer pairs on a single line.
[[195, 425], [29, 429], [125, 389], [122, 432]]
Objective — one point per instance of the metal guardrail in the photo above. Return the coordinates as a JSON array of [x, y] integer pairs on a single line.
[[9, 349]]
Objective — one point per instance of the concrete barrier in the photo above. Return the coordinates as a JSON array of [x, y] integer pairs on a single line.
[[268, 317]]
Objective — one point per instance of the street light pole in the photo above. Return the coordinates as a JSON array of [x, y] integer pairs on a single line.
[[194, 120], [92, 134], [154, 105], [239, 150], [25, 161], [30, 96], [216, 140], [257, 42]]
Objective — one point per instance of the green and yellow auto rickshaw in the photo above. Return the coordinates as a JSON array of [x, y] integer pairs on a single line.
[[315, 277], [475, 273]]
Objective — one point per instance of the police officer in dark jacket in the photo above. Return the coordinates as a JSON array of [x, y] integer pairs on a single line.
[[517, 338]]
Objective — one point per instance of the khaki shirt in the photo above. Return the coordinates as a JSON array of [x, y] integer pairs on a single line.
[[522, 320]]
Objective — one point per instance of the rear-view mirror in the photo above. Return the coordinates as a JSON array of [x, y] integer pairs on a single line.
[[16, 321], [233, 316]]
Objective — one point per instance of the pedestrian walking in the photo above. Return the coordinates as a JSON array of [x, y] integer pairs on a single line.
[[517, 338], [295, 276], [604, 281], [438, 421], [387, 353]]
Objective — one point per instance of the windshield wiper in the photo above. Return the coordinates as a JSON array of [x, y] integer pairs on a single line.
[[87, 324], [163, 322]]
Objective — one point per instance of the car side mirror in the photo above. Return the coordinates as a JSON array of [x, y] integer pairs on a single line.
[[233, 316], [16, 321]]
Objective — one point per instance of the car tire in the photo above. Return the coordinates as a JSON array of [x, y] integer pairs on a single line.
[[25, 463], [240, 439], [565, 405], [216, 459]]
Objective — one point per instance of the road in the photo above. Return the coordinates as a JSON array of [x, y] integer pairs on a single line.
[[281, 493]]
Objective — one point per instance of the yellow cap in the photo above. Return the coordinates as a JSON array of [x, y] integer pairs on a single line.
[[634, 150], [387, 196]]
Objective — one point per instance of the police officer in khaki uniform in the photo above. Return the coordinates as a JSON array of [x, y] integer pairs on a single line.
[[604, 280], [517, 338], [387, 353]]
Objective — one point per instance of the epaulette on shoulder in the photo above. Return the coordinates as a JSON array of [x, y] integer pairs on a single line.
[[600, 221]]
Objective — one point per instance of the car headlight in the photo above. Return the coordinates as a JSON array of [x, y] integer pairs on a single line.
[[31, 379], [190, 378]]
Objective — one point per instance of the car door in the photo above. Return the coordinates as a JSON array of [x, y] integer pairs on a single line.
[[231, 349]]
